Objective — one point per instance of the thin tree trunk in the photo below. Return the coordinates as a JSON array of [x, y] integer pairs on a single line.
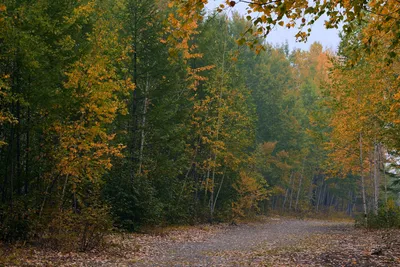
[[132, 128], [300, 182], [219, 189], [143, 133], [12, 163], [8, 163], [27, 152], [376, 179], [213, 188], [75, 203], [311, 191], [47, 192], [18, 150], [284, 200], [378, 172], [384, 174], [196, 193], [298, 192], [63, 192], [207, 181], [192, 162], [349, 203], [332, 200], [287, 190], [222, 82], [362, 180], [291, 194], [371, 176], [324, 194], [274, 200], [319, 195]]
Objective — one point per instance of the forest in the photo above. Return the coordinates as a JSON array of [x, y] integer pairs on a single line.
[[117, 116]]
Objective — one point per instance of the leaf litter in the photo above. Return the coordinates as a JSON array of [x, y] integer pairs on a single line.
[[270, 242]]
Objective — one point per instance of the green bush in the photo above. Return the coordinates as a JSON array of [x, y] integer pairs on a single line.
[[15, 222], [388, 217], [133, 206], [82, 231]]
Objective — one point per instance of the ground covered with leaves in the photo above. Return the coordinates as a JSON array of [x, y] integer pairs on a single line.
[[270, 242]]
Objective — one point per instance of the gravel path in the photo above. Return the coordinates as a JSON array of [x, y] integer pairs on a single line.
[[225, 246]]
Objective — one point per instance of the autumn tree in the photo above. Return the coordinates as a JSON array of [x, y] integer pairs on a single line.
[[67, 85], [362, 98]]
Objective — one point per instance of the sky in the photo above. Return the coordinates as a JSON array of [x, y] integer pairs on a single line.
[[329, 38]]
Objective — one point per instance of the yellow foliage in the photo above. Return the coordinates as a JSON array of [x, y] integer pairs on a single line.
[[5, 98], [251, 191], [268, 147], [85, 149]]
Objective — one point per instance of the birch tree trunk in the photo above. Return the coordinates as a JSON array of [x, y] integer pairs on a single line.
[[362, 180], [132, 123], [219, 190], [298, 192], [287, 191], [376, 179], [383, 162], [300, 183], [284, 200], [143, 133], [291, 193]]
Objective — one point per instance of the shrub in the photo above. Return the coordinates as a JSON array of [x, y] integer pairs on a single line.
[[251, 191], [133, 206], [82, 231], [388, 217], [15, 222]]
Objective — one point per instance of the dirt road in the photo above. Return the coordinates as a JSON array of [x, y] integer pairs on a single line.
[[243, 244], [279, 242], [271, 242]]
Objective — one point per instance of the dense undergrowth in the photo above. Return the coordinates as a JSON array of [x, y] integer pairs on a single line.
[[387, 216]]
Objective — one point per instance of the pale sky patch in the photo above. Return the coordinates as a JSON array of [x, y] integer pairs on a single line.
[[329, 38]]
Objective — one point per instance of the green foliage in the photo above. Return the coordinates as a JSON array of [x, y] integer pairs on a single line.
[[16, 221], [78, 231], [251, 189], [134, 205], [388, 216]]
